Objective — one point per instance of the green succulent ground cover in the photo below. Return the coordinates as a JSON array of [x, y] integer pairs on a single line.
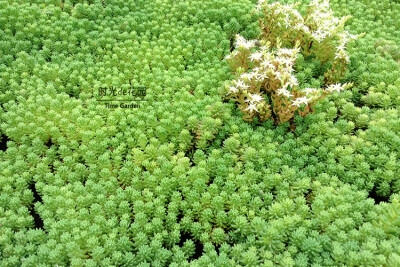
[[183, 180]]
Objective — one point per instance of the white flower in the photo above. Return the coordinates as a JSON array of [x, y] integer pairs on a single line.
[[247, 76], [283, 91], [233, 89], [341, 54], [254, 98], [305, 29], [324, 15], [257, 56], [244, 76], [355, 37], [241, 42], [241, 84], [334, 87], [250, 44], [334, 20], [252, 75], [257, 98], [301, 27], [239, 39], [304, 100], [264, 48], [293, 81], [341, 46], [319, 35], [288, 62], [284, 52], [266, 64], [260, 4], [231, 55], [278, 75], [261, 76], [252, 107], [300, 100]]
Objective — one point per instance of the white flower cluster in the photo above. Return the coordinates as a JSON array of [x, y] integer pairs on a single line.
[[300, 101], [328, 26], [233, 54], [340, 49], [335, 88], [270, 66], [243, 43], [320, 19], [263, 69], [253, 99], [287, 13]]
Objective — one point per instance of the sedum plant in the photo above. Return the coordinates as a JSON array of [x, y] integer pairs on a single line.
[[265, 85], [180, 181]]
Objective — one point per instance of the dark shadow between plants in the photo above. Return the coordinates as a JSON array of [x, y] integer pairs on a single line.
[[38, 221]]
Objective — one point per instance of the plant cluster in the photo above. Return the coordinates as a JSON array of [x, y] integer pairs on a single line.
[[183, 180], [265, 68]]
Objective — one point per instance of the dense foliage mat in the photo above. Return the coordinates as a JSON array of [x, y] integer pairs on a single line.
[[183, 180]]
